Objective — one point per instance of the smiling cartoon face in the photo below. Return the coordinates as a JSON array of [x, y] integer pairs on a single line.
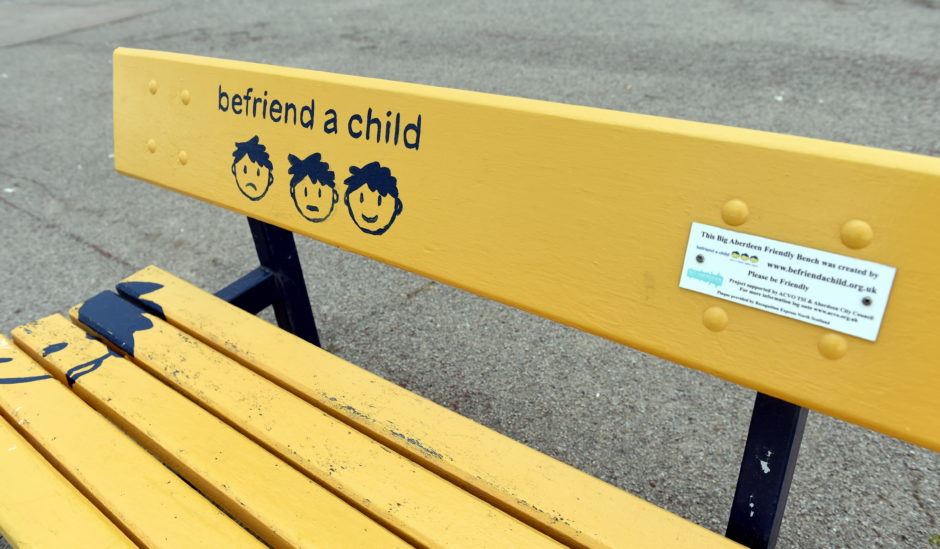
[[372, 198], [252, 179], [371, 211], [252, 168], [314, 201]]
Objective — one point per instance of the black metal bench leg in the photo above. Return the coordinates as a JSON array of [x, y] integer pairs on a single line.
[[773, 442], [278, 254]]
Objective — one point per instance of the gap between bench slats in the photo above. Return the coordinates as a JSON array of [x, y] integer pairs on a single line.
[[150, 504], [276, 502], [574, 507], [412, 501]]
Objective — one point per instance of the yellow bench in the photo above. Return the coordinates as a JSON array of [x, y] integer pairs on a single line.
[[775, 262]]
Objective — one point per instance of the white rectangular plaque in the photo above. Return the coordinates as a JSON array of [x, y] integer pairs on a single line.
[[841, 293]]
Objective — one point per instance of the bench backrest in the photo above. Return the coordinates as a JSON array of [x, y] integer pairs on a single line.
[[785, 247]]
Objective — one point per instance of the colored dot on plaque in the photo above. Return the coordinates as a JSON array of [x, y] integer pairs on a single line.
[[734, 212], [833, 346], [715, 319], [184, 158], [152, 86], [151, 145], [857, 234], [185, 97]]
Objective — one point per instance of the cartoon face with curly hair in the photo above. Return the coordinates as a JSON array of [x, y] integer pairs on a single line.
[[312, 187], [372, 197], [252, 168]]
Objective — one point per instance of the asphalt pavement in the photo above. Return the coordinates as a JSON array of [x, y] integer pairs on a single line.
[[864, 72]]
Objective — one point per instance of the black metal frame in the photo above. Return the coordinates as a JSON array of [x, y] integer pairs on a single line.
[[773, 439], [279, 281], [773, 442]]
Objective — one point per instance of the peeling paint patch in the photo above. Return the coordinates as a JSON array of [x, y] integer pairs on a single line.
[[764, 466], [356, 412], [11, 448], [417, 443], [555, 517]]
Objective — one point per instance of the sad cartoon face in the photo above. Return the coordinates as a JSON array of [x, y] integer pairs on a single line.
[[372, 198], [312, 187], [252, 168], [252, 179]]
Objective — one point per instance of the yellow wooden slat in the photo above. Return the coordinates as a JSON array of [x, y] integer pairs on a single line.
[[413, 502], [141, 496], [577, 214], [573, 506], [278, 503], [33, 491]]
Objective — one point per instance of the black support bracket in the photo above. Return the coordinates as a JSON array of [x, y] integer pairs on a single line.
[[773, 442], [278, 282]]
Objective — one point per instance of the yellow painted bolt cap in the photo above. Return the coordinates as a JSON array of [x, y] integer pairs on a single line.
[[833, 346], [735, 212], [715, 319], [857, 234]]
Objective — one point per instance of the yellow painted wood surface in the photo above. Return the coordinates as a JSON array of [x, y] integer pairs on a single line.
[[145, 499], [404, 497], [274, 500], [573, 506], [580, 215], [33, 491]]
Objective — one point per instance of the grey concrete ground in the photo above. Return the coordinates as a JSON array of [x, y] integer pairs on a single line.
[[864, 72]]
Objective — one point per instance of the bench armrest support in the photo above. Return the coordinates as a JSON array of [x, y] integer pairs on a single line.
[[253, 292]]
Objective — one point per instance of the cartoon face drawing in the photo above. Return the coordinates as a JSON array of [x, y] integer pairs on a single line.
[[372, 198], [312, 187], [252, 168]]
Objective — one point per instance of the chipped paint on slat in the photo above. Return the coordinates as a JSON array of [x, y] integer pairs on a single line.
[[589, 512]]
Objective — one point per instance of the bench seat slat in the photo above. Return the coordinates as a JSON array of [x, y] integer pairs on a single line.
[[406, 498], [573, 506], [153, 506], [33, 489], [277, 502]]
